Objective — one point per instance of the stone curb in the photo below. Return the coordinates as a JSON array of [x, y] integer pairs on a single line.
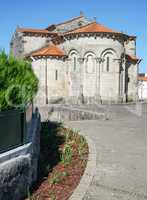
[[89, 173]]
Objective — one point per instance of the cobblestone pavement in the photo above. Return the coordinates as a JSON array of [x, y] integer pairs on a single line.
[[121, 144]]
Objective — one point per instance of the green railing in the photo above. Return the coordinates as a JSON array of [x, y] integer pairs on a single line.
[[14, 127]]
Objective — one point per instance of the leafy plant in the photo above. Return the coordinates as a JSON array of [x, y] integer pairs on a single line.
[[66, 155], [65, 173], [53, 196], [18, 83], [55, 178], [82, 146]]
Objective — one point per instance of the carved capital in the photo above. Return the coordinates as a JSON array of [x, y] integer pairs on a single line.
[[81, 60], [99, 60]]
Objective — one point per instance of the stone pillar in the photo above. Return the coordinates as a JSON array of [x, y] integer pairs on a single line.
[[81, 96], [99, 60], [119, 80], [124, 84]]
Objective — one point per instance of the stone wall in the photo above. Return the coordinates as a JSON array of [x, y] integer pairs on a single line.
[[18, 167], [72, 24], [22, 45], [132, 81], [97, 82], [142, 91], [64, 113], [17, 44], [56, 85], [130, 47], [71, 83], [33, 43]]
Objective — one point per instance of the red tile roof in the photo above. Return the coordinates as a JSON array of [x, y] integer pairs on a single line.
[[92, 28], [50, 50], [29, 30], [142, 78]]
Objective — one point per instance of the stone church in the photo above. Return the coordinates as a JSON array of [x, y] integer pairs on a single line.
[[80, 61]]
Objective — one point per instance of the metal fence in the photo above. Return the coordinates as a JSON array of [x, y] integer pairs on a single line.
[[14, 127]]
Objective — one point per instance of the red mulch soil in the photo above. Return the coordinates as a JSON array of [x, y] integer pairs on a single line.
[[64, 187]]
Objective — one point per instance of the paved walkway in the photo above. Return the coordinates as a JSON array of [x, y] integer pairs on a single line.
[[121, 144]]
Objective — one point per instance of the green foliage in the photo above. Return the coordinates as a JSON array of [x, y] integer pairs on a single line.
[[67, 154], [82, 146], [18, 83], [55, 178], [53, 196]]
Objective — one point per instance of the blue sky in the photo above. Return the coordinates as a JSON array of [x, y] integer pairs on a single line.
[[129, 16]]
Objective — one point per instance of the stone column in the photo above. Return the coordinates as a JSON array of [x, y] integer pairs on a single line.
[[81, 96], [124, 79], [119, 79], [99, 60]]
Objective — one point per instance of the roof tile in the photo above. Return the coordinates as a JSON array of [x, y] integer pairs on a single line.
[[50, 50], [142, 78], [29, 30], [92, 28]]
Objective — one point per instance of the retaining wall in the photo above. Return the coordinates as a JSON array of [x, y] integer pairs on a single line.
[[18, 167]]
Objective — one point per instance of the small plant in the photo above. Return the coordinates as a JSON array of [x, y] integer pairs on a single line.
[[82, 146], [53, 196], [55, 178], [66, 155], [65, 174], [71, 135]]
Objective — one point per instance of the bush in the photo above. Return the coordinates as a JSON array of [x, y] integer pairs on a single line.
[[18, 83]]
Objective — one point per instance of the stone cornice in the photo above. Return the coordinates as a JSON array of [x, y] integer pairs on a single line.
[[39, 34], [50, 57], [115, 36]]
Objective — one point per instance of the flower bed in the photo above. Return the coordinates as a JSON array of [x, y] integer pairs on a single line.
[[63, 159]]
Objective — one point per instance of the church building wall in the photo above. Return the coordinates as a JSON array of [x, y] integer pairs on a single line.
[[54, 81], [17, 45], [98, 81], [33, 43], [130, 47], [132, 81], [80, 61]]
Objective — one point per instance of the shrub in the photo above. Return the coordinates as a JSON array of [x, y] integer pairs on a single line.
[[18, 83]]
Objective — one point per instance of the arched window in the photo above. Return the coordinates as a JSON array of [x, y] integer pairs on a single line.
[[74, 60], [56, 75], [108, 65], [90, 63]]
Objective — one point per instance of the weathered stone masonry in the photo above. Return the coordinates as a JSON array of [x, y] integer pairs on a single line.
[[19, 167], [80, 61]]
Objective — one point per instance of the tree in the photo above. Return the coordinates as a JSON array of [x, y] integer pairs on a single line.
[[18, 83]]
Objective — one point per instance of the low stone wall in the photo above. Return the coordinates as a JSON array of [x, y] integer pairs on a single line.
[[18, 167], [57, 112]]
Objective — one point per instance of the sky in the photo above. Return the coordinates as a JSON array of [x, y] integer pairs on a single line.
[[129, 16]]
